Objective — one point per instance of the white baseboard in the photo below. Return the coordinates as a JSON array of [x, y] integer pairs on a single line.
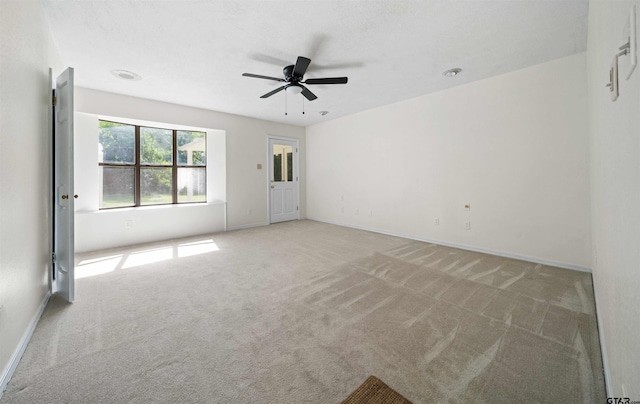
[[247, 226], [15, 359], [463, 246], [605, 361]]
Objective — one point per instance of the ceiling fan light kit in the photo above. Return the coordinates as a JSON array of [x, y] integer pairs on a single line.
[[293, 89], [293, 77]]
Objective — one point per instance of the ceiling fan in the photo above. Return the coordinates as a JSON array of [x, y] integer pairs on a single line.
[[293, 75]]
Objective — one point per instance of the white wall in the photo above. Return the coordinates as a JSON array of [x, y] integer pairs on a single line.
[[614, 131], [95, 229], [27, 52], [128, 226], [514, 146], [246, 147]]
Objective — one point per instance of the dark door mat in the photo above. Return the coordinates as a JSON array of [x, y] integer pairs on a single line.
[[374, 391]]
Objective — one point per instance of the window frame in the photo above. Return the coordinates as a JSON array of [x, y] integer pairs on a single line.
[[138, 166]]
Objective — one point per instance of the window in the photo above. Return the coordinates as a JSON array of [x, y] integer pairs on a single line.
[[142, 166]]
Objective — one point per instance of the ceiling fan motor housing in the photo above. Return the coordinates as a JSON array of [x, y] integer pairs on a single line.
[[288, 74]]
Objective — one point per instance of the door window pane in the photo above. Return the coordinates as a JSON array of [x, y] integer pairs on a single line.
[[277, 167], [116, 143], [192, 185], [156, 146], [117, 187], [155, 186], [192, 148], [282, 163], [289, 166]]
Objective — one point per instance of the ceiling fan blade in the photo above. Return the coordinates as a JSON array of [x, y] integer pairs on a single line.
[[308, 94], [301, 66], [257, 76], [270, 93], [328, 80]]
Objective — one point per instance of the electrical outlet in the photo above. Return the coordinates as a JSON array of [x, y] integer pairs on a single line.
[[467, 225], [436, 221], [128, 224]]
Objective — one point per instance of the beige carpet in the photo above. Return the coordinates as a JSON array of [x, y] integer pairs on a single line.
[[303, 312]]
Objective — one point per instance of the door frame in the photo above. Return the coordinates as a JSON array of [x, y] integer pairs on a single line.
[[52, 193], [296, 173]]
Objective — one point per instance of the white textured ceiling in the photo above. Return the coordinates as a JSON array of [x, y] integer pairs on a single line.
[[194, 52]]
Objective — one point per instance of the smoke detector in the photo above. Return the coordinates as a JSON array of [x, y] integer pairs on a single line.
[[452, 72]]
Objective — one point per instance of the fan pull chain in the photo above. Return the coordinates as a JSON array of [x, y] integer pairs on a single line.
[[285, 101], [302, 105]]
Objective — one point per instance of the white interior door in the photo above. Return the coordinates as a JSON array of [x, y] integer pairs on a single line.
[[63, 240], [283, 173]]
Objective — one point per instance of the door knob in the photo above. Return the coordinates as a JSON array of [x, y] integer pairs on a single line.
[[75, 196], [273, 186], [65, 197]]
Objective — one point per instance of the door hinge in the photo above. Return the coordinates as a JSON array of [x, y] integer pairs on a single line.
[[54, 259], [53, 99], [297, 208]]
